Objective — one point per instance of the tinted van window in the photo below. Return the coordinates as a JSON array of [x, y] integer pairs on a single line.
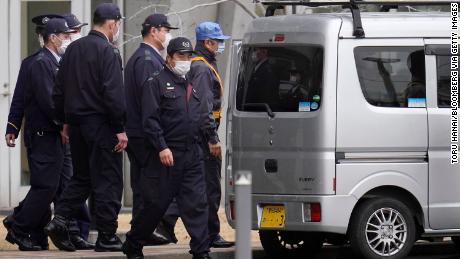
[[392, 76], [287, 79]]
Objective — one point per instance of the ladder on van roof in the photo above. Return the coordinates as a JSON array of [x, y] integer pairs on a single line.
[[353, 5]]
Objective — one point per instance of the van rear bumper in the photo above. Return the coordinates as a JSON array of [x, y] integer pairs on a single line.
[[335, 211]]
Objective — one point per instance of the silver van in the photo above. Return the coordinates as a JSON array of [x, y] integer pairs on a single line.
[[345, 125]]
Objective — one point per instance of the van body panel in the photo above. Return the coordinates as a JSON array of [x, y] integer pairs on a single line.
[[363, 127], [444, 177], [301, 143]]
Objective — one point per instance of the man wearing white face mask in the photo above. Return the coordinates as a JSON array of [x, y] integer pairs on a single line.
[[80, 226], [45, 149], [145, 61], [204, 75], [89, 97], [173, 119]]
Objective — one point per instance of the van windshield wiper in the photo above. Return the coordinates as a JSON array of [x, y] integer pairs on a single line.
[[264, 106]]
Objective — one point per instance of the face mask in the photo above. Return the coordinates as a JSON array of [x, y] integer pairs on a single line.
[[168, 38], [116, 35], [75, 36], [41, 41], [221, 48], [64, 44], [182, 67]]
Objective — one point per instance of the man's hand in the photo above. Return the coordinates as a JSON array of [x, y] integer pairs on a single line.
[[65, 134], [215, 149], [122, 142], [10, 139], [166, 157]]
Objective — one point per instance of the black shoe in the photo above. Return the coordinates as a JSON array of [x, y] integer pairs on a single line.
[[157, 240], [166, 230], [8, 222], [107, 242], [43, 244], [80, 243], [132, 252], [202, 256], [220, 242], [24, 242], [59, 233]]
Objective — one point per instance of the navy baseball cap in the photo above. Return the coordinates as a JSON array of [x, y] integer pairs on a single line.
[[57, 25], [42, 20], [73, 21], [180, 44], [108, 11], [210, 30], [158, 20]]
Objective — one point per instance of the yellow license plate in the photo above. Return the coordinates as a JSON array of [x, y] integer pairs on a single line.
[[273, 216]]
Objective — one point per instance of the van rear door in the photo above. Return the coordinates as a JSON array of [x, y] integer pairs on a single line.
[[283, 119]]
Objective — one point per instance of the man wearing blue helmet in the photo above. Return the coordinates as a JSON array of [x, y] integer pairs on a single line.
[[205, 76]]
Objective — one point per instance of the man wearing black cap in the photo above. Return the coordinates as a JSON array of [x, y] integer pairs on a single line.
[[80, 226], [45, 146], [75, 25], [205, 75], [146, 60], [172, 119], [17, 104], [89, 97]]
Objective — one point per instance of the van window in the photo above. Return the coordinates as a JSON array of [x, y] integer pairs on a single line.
[[392, 76], [443, 72], [287, 79]]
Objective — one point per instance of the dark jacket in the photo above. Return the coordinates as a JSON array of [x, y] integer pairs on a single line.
[[143, 64], [17, 103], [170, 118], [201, 76], [38, 104], [89, 85]]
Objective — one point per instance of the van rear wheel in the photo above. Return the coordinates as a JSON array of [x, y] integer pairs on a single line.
[[382, 228], [290, 244]]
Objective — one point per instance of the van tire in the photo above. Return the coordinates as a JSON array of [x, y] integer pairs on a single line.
[[366, 213], [290, 244]]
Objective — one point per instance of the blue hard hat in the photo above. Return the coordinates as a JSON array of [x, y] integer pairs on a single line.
[[210, 30]]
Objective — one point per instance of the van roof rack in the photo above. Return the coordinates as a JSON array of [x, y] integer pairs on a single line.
[[353, 5]]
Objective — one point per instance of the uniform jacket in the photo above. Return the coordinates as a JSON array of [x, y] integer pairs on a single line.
[[89, 85]]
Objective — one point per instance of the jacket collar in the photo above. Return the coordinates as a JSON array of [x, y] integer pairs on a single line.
[[50, 55], [155, 52], [175, 78], [200, 50], [98, 34]]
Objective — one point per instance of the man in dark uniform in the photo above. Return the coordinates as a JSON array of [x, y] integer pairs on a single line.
[[45, 147], [205, 76], [172, 120], [89, 97], [143, 63], [80, 226]]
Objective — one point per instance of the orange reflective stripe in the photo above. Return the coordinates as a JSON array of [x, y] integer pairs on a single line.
[[214, 71]]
